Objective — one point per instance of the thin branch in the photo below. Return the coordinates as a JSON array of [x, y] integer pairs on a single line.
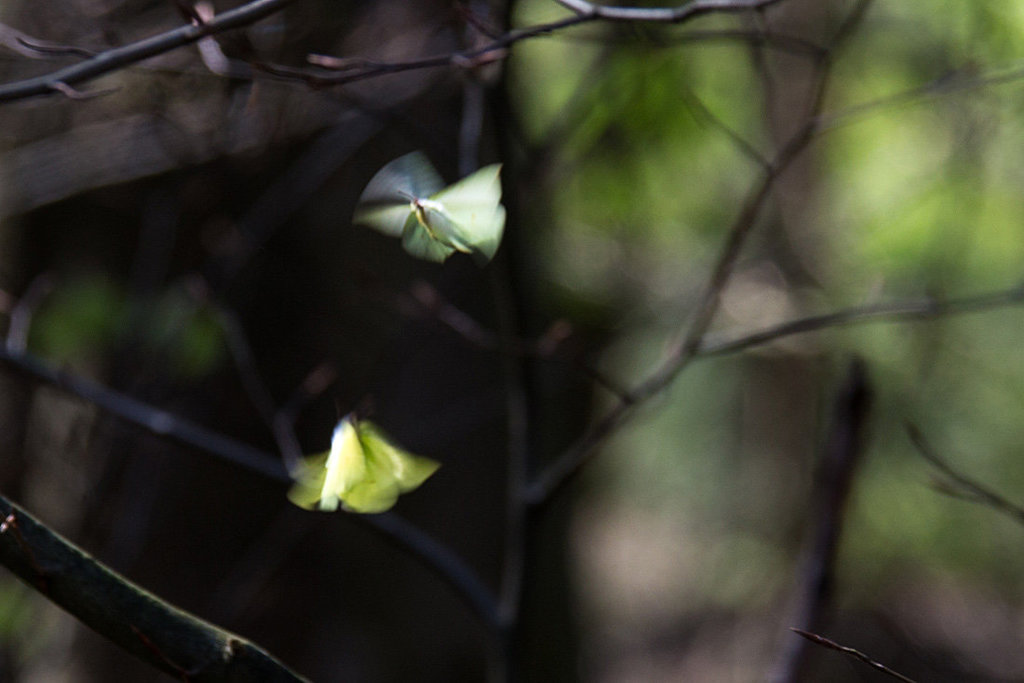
[[517, 431], [430, 302], [856, 654], [74, 94], [133, 53], [815, 578], [559, 472], [281, 425], [33, 48], [961, 485], [705, 115], [154, 419], [897, 311], [349, 69], [53, 49], [569, 463], [173, 641], [442, 560], [353, 70], [432, 553], [963, 80]]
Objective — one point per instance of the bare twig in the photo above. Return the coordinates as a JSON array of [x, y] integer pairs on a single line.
[[282, 425], [433, 554], [55, 50], [960, 485], [431, 302], [967, 79], [896, 311], [210, 50], [352, 70], [518, 455], [149, 417], [34, 48], [569, 462], [73, 94], [705, 115], [133, 53], [856, 654], [442, 560]]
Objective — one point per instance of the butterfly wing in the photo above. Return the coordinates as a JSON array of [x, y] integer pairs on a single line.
[[418, 241], [389, 219], [467, 216], [407, 176], [385, 203], [475, 218], [309, 481], [390, 471], [324, 480], [407, 469]]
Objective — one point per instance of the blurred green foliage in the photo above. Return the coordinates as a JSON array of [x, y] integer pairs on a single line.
[[909, 197], [89, 317]]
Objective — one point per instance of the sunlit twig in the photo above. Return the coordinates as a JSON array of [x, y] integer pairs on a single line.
[[677, 14]]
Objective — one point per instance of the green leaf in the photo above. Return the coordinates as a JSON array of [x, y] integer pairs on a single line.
[[407, 199], [363, 472]]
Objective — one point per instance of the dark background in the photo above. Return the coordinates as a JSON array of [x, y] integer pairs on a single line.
[[184, 237]]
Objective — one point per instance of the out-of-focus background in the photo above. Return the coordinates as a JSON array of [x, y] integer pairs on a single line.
[[180, 231]]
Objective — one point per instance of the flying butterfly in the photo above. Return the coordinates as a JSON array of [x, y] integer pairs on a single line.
[[363, 472], [408, 199]]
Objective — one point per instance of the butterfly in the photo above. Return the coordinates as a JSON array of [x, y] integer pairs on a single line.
[[363, 472], [408, 199]]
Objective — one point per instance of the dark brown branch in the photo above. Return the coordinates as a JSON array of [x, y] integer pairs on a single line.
[[173, 641], [117, 58], [856, 654], [840, 457]]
